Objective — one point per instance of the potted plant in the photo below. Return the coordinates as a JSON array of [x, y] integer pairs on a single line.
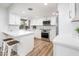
[[77, 30]]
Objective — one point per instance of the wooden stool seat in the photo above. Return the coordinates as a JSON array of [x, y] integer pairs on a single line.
[[12, 42], [8, 39]]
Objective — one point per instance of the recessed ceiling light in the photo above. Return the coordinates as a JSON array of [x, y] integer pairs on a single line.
[[45, 4]]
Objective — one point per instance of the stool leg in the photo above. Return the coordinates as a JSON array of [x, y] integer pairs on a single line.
[[9, 50], [3, 51]]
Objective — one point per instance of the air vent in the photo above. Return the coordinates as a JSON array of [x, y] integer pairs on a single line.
[[30, 9]]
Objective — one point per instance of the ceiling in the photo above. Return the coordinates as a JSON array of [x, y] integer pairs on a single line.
[[5, 5], [38, 9]]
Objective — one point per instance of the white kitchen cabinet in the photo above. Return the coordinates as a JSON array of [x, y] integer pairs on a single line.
[[40, 21], [33, 22], [52, 33], [17, 22], [14, 19], [66, 45], [36, 22], [72, 10], [53, 20], [26, 44], [37, 33], [76, 9]]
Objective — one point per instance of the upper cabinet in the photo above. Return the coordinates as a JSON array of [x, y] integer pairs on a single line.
[[74, 12], [53, 20], [40, 21], [14, 19], [36, 22]]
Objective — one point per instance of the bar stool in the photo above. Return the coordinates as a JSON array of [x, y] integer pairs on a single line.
[[4, 45], [10, 46]]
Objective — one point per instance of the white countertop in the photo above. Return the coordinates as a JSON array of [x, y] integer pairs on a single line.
[[67, 40], [19, 33]]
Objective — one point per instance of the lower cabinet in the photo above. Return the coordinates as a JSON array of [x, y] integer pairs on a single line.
[[51, 34], [37, 33]]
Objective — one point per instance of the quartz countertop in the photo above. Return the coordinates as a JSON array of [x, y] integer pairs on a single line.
[[18, 33], [67, 40]]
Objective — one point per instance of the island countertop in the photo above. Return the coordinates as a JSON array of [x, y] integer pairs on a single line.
[[67, 40], [18, 33]]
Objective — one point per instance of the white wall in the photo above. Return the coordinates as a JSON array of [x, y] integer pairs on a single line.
[[3, 22], [65, 24]]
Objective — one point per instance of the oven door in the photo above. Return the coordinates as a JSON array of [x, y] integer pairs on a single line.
[[44, 35]]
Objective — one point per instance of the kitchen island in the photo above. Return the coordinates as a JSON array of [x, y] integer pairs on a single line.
[[25, 38], [66, 45]]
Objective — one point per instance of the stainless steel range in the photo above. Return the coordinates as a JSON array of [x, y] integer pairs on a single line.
[[45, 31], [45, 35]]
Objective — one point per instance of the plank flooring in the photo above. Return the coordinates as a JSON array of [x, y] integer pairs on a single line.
[[41, 48]]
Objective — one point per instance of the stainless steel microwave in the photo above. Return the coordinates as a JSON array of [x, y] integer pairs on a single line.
[[46, 22]]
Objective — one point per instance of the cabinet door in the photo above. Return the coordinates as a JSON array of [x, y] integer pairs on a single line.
[[40, 22], [33, 22], [37, 34], [72, 10], [53, 20], [17, 20], [14, 19], [36, 22], [52, 34]]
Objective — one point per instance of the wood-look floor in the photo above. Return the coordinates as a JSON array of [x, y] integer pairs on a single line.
[[41, 48]]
